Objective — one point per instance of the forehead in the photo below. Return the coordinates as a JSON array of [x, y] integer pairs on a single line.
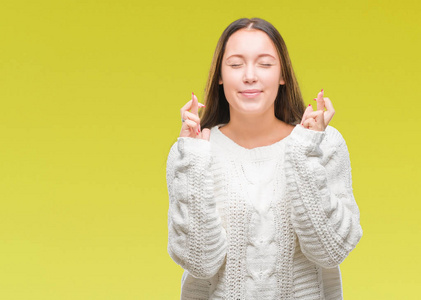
[[248, 42]]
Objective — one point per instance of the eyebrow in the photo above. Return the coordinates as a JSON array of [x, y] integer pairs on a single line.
[[242, 56]]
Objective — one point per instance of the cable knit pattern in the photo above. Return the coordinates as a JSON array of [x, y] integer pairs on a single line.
[[325, 215], [272, 222], [196, 238]]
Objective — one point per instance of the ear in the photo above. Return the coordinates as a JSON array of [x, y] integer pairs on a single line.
[[282, 81], [220, 80]]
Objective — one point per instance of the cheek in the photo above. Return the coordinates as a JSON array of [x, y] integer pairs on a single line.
[[231, 79], [271, 79]]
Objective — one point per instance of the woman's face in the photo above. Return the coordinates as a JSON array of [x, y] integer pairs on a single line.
[[250, 72]]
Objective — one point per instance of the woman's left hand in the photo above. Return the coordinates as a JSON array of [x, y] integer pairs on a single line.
[[319, 119]]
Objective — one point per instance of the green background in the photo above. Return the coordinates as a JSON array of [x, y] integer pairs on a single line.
[[90, 93]]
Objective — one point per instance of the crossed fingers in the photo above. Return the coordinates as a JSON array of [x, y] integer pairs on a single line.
[[320, 118], [191, 121]]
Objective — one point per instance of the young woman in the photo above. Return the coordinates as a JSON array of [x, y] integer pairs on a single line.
[[261, 202]]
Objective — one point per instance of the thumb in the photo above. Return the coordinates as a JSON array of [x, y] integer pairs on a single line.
[[206, 134]]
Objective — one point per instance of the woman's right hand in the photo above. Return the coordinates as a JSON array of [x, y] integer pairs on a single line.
[[191, 124]]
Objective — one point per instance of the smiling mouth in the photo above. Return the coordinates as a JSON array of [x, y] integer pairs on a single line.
[[251, 93]]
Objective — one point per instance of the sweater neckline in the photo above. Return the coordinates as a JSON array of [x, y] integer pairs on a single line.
[[257, 153]]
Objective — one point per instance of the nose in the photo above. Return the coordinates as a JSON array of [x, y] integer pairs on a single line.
[[250, 74]]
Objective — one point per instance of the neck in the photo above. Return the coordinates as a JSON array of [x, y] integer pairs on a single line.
[[255, 130]]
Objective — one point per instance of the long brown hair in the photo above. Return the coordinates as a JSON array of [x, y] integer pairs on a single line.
[[289, 104]]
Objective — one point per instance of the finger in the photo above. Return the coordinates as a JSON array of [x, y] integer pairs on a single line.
[[320, 101], [186, 107], [330, 111], [308, 110], [205, 134], [309, 123], [320, 119], [189, 125], [187, 129], [315, 121], [199, 104], [193, 117], [317, 115], [195, 108], [190, 116], [195, 105]]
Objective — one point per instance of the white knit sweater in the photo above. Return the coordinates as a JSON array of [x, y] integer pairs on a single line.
[[273, 222]]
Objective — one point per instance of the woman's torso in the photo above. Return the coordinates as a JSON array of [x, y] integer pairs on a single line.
[[263, 260]]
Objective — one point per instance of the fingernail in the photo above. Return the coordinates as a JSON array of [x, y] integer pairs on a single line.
[[322, 90], [309, 105], [314, 99]]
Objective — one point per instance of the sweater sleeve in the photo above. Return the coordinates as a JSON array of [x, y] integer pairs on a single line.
[[325, 215], [196, 238]]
